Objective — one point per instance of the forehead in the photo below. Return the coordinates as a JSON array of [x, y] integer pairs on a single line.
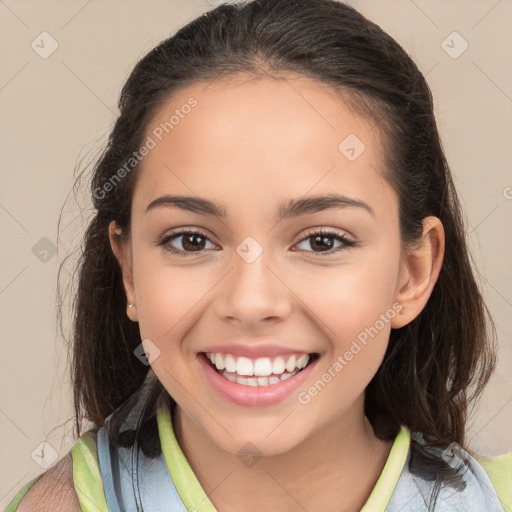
[[261, 137]]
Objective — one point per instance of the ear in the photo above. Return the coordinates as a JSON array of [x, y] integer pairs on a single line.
[[121, 247], [419, 272]]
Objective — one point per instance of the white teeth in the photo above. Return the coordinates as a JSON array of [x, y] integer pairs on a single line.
[[303, 361], [230, 363], [257, 381], [244, 366], [290, 365], [278, 366], [219, 362], [260, 372], [263, 367], [229, 376]]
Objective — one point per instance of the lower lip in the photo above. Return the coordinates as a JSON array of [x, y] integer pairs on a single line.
[[253, 396]]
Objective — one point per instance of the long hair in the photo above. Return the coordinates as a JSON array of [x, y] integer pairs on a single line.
[[436, 365]]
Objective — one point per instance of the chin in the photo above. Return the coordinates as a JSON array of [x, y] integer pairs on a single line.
[[258, 437]]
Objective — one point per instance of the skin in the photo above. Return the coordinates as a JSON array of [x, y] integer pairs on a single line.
[[250, 144], [54, 491]]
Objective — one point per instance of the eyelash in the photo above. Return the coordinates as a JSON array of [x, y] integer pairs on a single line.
[[347, 243]]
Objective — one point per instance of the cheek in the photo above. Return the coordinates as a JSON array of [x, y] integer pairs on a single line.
[[168, 298], [349, 298], [353, 305]]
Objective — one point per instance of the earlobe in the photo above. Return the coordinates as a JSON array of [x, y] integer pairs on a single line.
[[121, 249], [420, 271]]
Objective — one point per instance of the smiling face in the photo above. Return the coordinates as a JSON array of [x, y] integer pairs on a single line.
[[254, 286]]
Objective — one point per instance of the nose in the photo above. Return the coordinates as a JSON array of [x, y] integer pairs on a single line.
[[253, 293]]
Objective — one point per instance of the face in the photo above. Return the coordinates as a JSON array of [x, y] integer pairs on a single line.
[[278, 284]]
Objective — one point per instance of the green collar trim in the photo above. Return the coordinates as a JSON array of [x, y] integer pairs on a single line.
[[185, 481], [386, 484], [194, 497]]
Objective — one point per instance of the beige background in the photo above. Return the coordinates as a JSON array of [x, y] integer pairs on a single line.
[[57, 110]]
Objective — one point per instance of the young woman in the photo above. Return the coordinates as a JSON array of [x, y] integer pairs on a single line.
[[276, 308]]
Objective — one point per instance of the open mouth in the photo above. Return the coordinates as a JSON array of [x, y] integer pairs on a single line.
[[262, 371]]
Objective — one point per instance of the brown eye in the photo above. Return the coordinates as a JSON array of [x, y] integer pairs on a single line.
[[194, 242], [324, 242], [191, 242]]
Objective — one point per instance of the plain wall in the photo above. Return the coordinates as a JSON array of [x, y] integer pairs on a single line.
[[57, 110]]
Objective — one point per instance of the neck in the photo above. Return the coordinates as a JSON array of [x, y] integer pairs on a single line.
[[335, 469]]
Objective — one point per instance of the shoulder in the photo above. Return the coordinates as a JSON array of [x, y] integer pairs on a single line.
[[54, 491], [499, 470], [498, 463]]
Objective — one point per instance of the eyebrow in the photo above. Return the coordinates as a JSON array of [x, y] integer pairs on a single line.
[[288, 209]]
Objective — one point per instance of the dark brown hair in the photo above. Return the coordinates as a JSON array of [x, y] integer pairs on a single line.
[[435, 366]]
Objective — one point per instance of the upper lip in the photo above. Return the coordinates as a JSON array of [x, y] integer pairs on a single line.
[[254, 349]]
